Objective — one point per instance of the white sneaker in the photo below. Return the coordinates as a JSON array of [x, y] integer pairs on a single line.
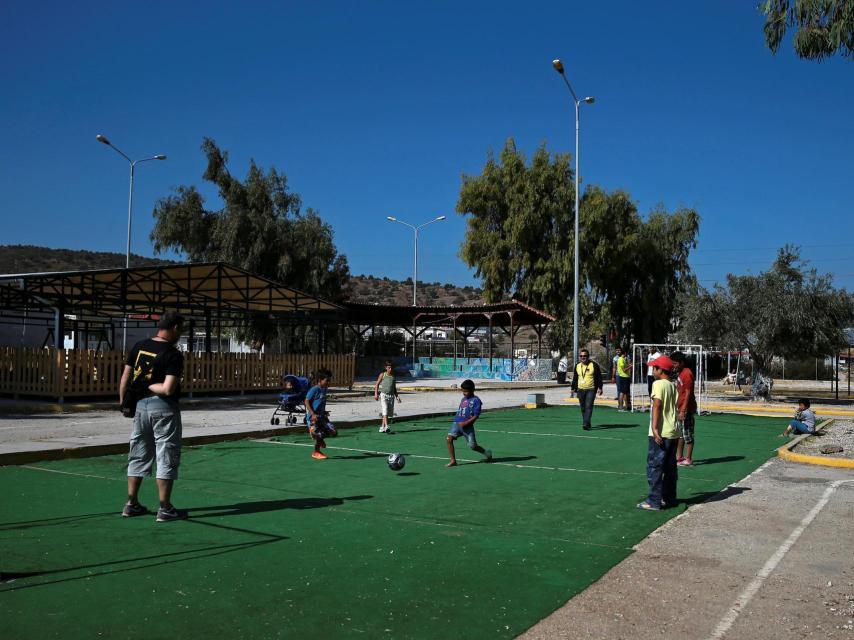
[[488, 454], [383, 429]]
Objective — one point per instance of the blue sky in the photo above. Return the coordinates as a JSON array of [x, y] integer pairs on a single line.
[[377, 108]]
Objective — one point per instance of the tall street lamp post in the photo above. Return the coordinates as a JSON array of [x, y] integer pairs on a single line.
[[103, 139], [558, 65], [416, 230]]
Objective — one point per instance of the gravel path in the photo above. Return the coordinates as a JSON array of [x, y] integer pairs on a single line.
[[841, 433]]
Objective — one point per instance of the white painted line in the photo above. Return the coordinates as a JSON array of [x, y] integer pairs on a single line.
[[501, 464], [69, 473], [755, 584]]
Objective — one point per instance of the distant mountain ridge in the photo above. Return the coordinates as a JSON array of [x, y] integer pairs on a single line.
[[366, 289]]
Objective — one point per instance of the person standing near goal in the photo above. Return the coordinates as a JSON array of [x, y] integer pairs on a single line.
[[686, 409], [624, 380]]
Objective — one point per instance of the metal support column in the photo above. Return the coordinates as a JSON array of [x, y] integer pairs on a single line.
[[58, 337], [207, 331], [512, 346], [455, 343], [190, 337], [489, 341]]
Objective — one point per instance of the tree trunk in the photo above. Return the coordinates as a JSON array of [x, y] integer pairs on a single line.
[[762, 383]]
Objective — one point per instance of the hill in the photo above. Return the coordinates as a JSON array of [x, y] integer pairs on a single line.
[[367, 289], [30, 259], [372, 290]]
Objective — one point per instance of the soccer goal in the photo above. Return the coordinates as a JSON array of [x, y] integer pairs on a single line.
[[697, 361]]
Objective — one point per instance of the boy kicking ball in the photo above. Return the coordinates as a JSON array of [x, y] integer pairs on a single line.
[[467, 415]]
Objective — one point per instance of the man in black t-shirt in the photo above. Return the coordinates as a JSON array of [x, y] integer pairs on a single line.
[[152, 373]]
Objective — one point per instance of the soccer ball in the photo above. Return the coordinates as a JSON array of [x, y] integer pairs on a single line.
[[396, 461]]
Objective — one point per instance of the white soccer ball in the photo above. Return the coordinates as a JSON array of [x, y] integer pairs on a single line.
[[396, 461]]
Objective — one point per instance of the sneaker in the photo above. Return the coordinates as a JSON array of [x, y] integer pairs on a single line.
[[488, 454], [586, 427], [317, 455], [383, 429], [684, 462], [646, 506], [132, 510], [678, 460], [167, 514]]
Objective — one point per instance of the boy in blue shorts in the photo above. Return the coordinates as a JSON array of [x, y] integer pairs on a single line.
[[315, 414], [467, 415]]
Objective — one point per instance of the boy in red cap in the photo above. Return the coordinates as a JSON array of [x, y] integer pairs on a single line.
[[664, 432]]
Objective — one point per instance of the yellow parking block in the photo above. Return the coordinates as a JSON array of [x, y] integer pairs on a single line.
[[785, 452]]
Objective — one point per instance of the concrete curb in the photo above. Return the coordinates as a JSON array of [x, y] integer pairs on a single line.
[[24, 407], [785, 452]]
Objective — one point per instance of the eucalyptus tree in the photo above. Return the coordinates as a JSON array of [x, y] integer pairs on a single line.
[[259, 226]]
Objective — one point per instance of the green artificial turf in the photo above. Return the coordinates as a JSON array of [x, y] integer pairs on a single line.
[[283, 546]]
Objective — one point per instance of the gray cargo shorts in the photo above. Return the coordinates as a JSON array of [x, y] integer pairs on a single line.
[[156, 435]]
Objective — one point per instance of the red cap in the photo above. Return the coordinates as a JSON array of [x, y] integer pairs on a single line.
[[663, 362]]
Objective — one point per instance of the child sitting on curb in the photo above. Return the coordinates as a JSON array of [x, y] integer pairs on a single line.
[[804, 420]]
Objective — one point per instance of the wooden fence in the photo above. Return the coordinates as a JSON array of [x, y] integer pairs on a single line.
[[77, 373]]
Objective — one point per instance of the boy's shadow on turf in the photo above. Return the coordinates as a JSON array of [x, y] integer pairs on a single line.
[[714, 496], [244, 508], [597, 427], [361, 456], [514, 458], [697, 463]]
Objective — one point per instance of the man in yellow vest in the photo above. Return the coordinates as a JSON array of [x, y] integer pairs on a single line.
[[586, 382], [623, 376]]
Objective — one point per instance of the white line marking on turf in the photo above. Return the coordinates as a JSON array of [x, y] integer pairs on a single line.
[[68, 473], [751, 589], [502, 464]]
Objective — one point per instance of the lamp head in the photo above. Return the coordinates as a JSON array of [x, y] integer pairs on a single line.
[[558, 65], [589, 99], [392, 218], [160, 157], [440, 218], [102, 139]]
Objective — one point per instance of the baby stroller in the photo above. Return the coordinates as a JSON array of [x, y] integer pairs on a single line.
[[291, 399]]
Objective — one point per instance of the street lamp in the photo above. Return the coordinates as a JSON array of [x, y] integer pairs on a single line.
[[558, 65], [103, 139], [416, 230]]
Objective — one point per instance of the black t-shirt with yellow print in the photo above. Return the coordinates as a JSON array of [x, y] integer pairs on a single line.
[[153, 360]]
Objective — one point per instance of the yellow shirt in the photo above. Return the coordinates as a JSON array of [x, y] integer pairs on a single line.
[[623, 370], [665, 391], [585, 375]]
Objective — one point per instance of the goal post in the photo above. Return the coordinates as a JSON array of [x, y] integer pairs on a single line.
[[697, 357]]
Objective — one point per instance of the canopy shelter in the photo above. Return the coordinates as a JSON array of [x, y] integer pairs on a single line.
[[209, 291], [508, 317]]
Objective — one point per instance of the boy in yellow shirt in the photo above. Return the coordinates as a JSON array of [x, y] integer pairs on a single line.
[[664, 432]]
